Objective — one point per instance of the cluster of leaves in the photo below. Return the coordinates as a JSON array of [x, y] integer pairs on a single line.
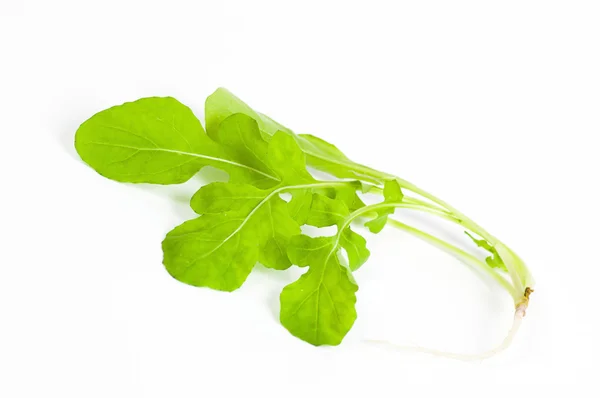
[[245, 220]]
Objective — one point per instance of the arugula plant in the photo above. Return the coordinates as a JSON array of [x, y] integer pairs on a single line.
[[246, 220]]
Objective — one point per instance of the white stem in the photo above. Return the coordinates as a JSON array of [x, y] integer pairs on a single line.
[[517, 319]]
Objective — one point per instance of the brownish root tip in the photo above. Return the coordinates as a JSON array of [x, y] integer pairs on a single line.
[[522, 305]]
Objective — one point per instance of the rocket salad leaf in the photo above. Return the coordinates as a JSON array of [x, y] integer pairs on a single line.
[[246, 220]]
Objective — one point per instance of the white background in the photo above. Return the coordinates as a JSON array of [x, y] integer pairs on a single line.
[[493, 106]]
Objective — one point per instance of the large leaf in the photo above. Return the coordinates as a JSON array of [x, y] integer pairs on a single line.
[[244, 216], [159, 140]]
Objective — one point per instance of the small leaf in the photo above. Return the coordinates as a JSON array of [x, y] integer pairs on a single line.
[[392, 193], [481, 243], [356, 248], [494, 260]]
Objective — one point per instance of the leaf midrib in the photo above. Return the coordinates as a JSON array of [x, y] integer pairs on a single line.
[[265, 200], [191, 154]]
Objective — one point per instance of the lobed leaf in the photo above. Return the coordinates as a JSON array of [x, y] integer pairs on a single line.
[[254, 216], [318, 307], [392, 194]]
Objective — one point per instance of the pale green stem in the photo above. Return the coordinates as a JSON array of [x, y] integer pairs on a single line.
[[468, 258], [461, 254], [517, 269]]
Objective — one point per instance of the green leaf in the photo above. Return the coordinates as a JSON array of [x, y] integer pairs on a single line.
[[222, 103], [160, 141], [481, 242], [318, 307], [356, 248], [221, 197], [208, 252], [328, 158], [392, 194], [300, 205], [241, 140], [494, 260], [252, 216], [262, 212], [349, 196], [325, 211], [320, 154]]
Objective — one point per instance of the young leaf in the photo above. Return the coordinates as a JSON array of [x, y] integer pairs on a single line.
[[249, 215], [160, 141], [493, 260], [392, 194]]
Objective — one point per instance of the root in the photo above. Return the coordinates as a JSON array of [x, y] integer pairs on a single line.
[[520, 310]]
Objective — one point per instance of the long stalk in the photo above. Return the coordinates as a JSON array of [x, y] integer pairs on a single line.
[[520, 275], [457, 252], [468, 258]]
